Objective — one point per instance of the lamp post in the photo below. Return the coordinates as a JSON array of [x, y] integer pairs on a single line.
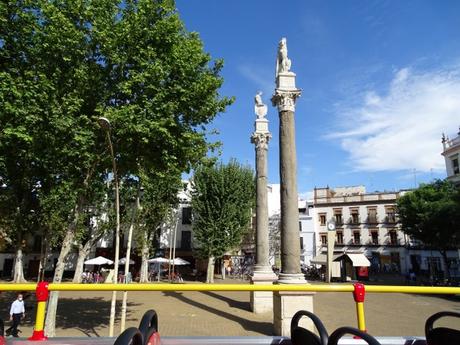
[[105, 125]]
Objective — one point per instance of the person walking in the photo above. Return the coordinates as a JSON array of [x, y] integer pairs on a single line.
[[17, 312]]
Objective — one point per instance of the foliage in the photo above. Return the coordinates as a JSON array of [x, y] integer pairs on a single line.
[[431, 214], [65, 63], [223, 197]]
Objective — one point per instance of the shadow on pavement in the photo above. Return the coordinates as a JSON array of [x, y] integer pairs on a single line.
[[87, 314], [231, 302], [265, 328]]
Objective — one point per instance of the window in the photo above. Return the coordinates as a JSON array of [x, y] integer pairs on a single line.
[[393, 238], [186, 241], [323, 240], [186, 215], [372, 215], [375, 237], [455, 166], [356, 237], [391, 214], [354, 216], [338, 216], [322, 219], [339, 237], [300, 226], [301, 243], [338, 219]]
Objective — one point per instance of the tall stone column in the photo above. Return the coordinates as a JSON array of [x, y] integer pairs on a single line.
[[261, 301], [285, 304]]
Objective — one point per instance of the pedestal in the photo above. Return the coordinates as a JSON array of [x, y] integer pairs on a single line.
[[262, 301], [285, 305]]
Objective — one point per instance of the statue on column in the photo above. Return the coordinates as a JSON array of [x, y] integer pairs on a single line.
[[260, 108], [283, 64]]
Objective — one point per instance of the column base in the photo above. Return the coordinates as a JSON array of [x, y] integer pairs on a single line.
[[292, 278], [285, 305], [262, 301]]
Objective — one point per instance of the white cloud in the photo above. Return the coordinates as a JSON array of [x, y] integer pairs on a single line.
[[402, 129]]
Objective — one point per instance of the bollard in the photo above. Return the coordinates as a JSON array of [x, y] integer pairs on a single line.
[[358, 294], [42, 293]]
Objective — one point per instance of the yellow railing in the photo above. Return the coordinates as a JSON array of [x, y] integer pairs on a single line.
[[358, 291]]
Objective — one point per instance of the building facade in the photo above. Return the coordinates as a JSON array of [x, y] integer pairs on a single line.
[[365, 223], [451, 153]]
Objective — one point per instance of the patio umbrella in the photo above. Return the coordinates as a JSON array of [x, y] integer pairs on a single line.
[[158, 261], [122, 261], [179, 262], [100, 260]]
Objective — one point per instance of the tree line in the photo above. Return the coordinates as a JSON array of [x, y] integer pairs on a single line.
[[63, 65]]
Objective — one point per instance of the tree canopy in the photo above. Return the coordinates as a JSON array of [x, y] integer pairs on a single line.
[[431, 214], [223, 197], [64, 64]]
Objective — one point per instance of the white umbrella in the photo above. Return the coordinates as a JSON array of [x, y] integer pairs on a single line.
[[158, 261], [179, 261], [122, 261], [100, 260]]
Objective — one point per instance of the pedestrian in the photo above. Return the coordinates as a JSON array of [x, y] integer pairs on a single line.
[[17, 312]]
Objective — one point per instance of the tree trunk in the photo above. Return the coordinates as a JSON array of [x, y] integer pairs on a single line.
[[50, 323], [210, 271], [44, 250], [18, 276], [83, 252], [128, 257], [144, 276]]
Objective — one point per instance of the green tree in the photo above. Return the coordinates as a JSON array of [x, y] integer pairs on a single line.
[[223, 197], [431, 214], [63, 64], [158, 201]]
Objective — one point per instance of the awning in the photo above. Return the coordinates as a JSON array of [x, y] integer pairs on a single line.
[[321, 259], [359, 260]]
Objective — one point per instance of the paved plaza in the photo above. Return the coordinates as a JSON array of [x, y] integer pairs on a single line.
[[228, 313]]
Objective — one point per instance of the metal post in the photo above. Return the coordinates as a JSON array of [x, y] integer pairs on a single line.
[[359, 294], [41, 293]]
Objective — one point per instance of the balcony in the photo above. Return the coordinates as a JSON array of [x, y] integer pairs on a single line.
[[354, 221], [372, 220], [390, 220]]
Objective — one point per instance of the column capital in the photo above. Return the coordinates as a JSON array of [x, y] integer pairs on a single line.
[[261, 139], [285, 99]]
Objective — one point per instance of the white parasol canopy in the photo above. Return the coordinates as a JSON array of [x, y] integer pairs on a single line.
[[100, 260], [179, 261], [122, 261], [158, 261]]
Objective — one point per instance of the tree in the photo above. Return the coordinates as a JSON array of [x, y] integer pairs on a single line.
[[431, 214], [160, 197], [63, 64], [222, 201]]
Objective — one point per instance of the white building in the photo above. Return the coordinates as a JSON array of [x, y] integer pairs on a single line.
[[365, 223], [451, 153], [307, 232], [306, 227]]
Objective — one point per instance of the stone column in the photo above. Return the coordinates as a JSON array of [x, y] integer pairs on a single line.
[[261, 301], [284, 99], [285, 304]]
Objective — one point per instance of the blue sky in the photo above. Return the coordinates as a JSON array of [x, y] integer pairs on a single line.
[[380, 82]]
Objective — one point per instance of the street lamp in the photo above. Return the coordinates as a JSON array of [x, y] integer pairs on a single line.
[[105, 125]]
